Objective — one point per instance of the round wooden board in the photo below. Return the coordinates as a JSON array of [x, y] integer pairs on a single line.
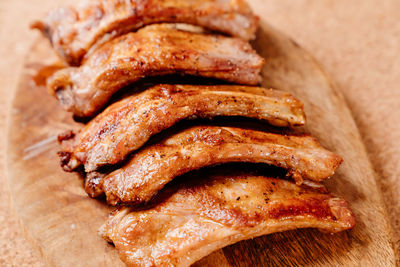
[[62, 221]]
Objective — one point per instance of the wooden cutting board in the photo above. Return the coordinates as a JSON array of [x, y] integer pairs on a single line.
[[62, 221]]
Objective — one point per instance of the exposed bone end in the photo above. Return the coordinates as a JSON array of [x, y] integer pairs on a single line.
[[315, 185], [68, 161], [337, 160], [331, 165], [302, 119], [66, 136], [60, 85], [94, 184], [297, 108], [296, 176], [65, 96], [342, 214]]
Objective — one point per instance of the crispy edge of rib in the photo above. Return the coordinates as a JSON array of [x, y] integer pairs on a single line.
[[86, 89], [198, 219], [135, 119], [153, 167], [73, 39]]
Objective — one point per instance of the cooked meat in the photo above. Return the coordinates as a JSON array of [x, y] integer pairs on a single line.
[[74, 31], [126, 125], [153, 167], [154, 50], [196, 219]]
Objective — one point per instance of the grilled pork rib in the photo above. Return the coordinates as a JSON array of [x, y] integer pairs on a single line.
[[153, 167], [74, 31], [153, 50], [193, 220], [126, 125]]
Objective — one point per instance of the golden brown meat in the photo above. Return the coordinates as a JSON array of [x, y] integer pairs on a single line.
[[126, 125], [153, 50], [153, 167], [74, 31], [193, 220]]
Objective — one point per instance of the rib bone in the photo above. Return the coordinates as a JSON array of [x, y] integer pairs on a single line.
[[193, 220], [153, 167], [73, 31], [154, 50], [126, 125]]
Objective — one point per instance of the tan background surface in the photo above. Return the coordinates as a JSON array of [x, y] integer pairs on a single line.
[[357, 41]]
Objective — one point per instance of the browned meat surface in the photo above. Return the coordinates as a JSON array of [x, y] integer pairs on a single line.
[[153, 167], [73, 31], [193, 220], [153, 50], [126, 125]]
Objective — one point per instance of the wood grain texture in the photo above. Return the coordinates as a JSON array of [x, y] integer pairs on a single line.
[[63, 222]]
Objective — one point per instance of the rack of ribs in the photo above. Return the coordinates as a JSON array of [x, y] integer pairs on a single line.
[[176, 204]]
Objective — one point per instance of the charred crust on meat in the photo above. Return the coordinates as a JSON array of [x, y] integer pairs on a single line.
[[67, 161], [68, 135], [65, 158]]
